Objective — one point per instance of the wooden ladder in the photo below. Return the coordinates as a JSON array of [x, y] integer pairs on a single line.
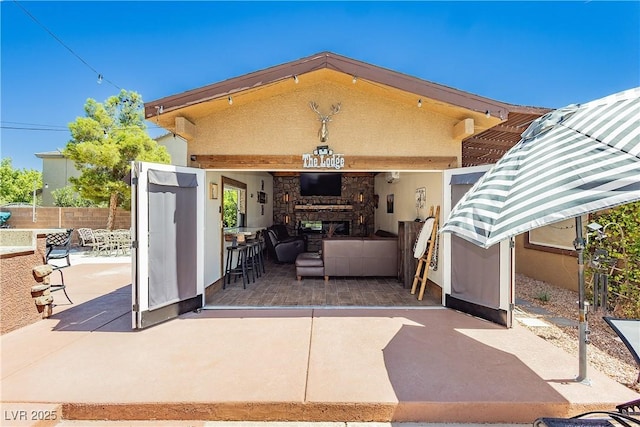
[[422, 271]]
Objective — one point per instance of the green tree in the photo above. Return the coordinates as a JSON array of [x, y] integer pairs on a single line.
[[103, 145], [230, 215], [67, 197], [16, 185]]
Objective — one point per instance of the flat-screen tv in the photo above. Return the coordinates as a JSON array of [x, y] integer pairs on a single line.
[[320, 184]]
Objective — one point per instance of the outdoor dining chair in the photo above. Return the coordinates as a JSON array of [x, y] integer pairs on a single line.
[[86, 236], [58, 247], [629, 332], [101, 244], [121, 239]]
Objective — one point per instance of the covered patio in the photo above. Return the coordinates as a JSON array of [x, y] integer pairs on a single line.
[[279, 287], [313, 364]]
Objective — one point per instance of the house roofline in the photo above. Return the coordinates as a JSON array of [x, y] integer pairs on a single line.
[[49, 154], [331, 61]]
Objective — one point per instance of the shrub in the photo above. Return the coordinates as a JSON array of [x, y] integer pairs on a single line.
[[621, 226]]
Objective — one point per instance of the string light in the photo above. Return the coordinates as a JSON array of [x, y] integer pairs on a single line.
[[230, 99], [100, 76]]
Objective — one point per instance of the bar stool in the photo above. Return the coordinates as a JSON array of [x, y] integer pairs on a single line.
[[255, 262], [240, 268], [262, 245], [252, 259]]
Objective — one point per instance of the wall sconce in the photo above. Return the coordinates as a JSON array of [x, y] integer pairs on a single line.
[[286, 219], [285, 198], [361, 219], [213, 190], [361, 197]]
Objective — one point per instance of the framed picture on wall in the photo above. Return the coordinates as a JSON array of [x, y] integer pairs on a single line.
[[421, 197], [262, 197], [389, 203]]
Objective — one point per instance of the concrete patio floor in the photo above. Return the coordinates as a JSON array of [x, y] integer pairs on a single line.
[[306, 364]]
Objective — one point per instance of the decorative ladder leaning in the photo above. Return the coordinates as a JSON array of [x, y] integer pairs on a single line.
[[422, 270]]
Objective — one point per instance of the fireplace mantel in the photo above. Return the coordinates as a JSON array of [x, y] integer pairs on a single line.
[[323, 207]]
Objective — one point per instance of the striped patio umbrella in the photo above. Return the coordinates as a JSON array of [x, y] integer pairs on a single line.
[[575, 160], [569, 162]]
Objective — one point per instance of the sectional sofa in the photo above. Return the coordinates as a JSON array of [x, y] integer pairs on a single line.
[[360, 256]]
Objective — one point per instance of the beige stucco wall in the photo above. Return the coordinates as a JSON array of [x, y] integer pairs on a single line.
[[214, 258], [368, 124], [556, 269], [404, 207]]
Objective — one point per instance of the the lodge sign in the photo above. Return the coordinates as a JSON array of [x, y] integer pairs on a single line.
[[322, 158]]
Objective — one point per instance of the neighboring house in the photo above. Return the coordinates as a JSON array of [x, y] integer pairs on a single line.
[[176, 146], [388, 133], [56, 169]]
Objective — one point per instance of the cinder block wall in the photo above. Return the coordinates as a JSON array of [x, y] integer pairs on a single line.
[[54, 217], [18, 308]]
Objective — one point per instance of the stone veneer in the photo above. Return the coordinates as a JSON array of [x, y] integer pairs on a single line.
[[352, 185], [17, 307]]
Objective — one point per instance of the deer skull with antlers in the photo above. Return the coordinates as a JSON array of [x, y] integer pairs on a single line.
[[323, 132]]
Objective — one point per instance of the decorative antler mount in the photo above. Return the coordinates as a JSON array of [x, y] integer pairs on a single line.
[[323, 132]]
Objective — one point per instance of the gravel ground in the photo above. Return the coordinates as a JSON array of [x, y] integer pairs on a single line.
[[606, 352]]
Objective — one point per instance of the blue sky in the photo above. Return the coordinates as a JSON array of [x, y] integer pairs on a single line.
[[546, 54]]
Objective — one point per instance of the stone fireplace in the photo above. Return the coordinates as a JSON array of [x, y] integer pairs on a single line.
[[352, 211], [341, 228]]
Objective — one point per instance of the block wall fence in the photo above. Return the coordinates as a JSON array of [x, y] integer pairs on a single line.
[[55, 217]]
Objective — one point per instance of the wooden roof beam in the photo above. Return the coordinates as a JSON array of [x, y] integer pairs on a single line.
[[294, 162]]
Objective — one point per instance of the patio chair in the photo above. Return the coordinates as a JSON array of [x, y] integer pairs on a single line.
[[86, 236], [629, 332], [626, 415], [101, 242], [58, 246], [588, 419], [121, 240]]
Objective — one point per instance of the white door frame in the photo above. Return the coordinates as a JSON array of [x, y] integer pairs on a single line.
[[507, 258], [140, 231]]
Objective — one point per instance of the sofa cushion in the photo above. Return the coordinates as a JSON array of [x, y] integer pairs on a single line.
[[309, 259], [383, 233], [360, 257]]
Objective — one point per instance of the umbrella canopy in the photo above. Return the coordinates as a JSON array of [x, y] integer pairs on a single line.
[[572, 161], [575, 160]]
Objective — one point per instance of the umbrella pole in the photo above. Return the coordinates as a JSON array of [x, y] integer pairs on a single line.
[[579, 244]]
